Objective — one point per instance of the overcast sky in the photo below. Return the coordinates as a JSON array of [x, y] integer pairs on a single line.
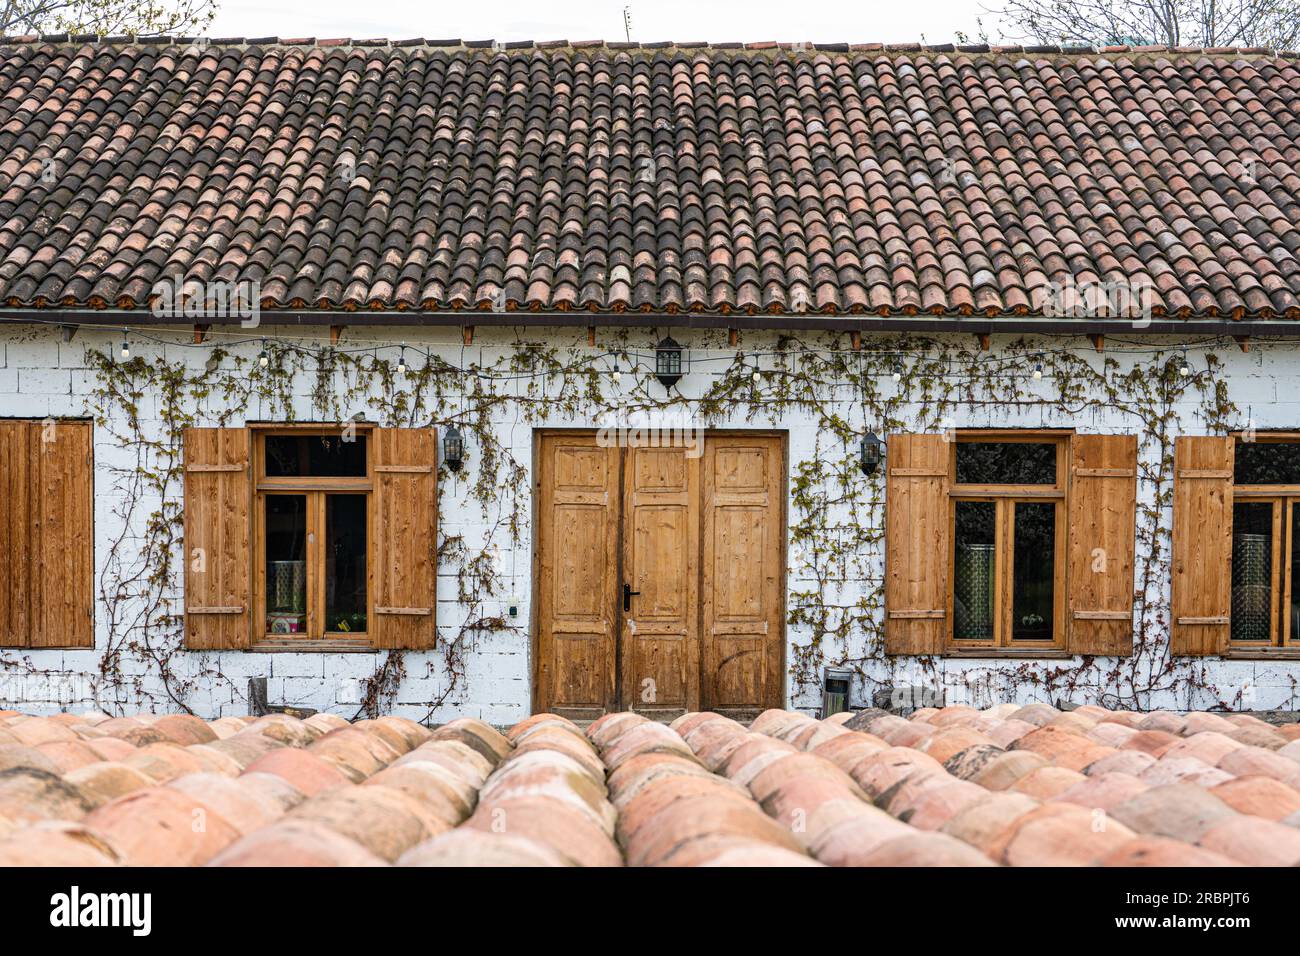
[[712, 20]]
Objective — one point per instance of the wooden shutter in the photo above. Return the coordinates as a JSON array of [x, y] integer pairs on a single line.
[[62, 535], [15, 543], [405, 551], [218, 538], [46, 534], [1102, 525], [917, 549], [1202, 546]]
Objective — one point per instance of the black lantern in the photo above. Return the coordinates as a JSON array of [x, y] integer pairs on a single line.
[[668, 362], [873, 449], [453, 448]]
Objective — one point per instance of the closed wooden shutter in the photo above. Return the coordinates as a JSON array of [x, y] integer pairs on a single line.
[[15, 543], [917, 548], [46, 534], [405, 573], [1202, 546], [62, 535], [218, 538], [1103, 513]]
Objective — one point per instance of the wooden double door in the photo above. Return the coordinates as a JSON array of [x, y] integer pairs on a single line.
[[659, 578]]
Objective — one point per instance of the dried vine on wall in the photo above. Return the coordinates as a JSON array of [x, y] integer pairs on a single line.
[[835, 523]]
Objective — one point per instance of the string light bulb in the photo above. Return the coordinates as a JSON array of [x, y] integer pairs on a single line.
[[1184, 369], [263, 359], [898, 371], [618, 374], [126, 347], [401, 361], [758, 377], [1038, 368]]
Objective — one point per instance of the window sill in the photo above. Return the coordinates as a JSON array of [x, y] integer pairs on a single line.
[[47, 647], [1262, 654], [311, 646], [1003, 653]]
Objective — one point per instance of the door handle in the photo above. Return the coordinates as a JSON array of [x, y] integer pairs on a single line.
[[628, 594]]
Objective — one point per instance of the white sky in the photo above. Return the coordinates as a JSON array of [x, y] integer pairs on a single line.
[[709, 20]]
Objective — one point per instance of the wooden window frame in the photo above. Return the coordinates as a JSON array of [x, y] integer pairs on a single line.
[[1284, 499], [316, 491], [1006, 497]]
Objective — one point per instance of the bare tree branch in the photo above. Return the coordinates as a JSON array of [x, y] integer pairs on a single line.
[[1203, 23], [106, 17]]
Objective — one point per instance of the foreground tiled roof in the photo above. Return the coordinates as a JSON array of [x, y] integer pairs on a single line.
[[1011, 785], [676, 177]]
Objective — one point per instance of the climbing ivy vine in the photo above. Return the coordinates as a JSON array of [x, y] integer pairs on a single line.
[[834, 599]]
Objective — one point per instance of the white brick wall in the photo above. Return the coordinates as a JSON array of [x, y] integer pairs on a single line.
[[40, 375]]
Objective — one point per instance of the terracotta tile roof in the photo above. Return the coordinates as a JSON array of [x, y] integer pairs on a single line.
[[1010, 785], [778, 178]]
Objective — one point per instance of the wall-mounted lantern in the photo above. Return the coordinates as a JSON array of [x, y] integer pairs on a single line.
[[872, 450], [453, 448], [668, 362], [836, 683]]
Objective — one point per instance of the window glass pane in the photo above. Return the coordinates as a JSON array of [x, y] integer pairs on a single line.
[[315, 456], [1034, 581], [1252, 570], [1267, 463], [286, 564], [1006, 463], [345, 564], [974, 567]]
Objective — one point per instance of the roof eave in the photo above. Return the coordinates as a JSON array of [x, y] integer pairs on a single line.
[[812, 321]]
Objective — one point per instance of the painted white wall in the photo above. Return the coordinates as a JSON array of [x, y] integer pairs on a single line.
[[42, 376]]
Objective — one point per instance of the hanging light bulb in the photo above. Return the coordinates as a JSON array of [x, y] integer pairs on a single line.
[[898, 371], [758, 377], [1184, 369], [618, 375], [1038, 369], [401, 361], [126, 347], [263, 359]]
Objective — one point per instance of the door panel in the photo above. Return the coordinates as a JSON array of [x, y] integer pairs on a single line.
[[699, 543], [577, 485], [659, 662], [743, 584]]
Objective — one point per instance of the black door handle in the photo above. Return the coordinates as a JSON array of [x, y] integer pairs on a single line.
[[627, 596]]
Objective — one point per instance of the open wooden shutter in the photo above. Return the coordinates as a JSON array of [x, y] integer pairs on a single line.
[[917, 550], [62, 535], [1103, 515], [218, 538], [15, 543], [1202, 546], [405, 572]]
